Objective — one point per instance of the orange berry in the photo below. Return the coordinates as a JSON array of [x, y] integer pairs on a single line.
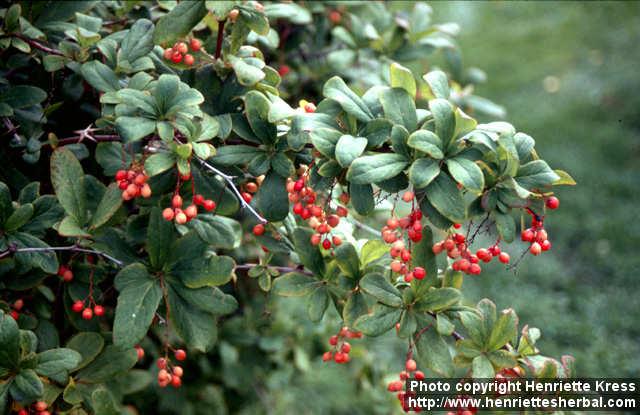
[[145, 191], [181, 47], [168, 214], [189, 59], [191, 211], [195, 44], [407, 196]]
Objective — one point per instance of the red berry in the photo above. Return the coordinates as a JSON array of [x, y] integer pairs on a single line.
[[419, 273], [528, 235], [247, 197], [18, 304], [168, 214], [283, 70], [23, 412], [181, 47], [333, 220], [40, 406], [87, 314], [535, 248], [177, 371], [457, 226], [408, 196], [346, 347], [121, 175], [335, 16], [310, 108], [258, 230], [337, 241], [191, 211], [553, 203], [411, 365], [77, 306], [180, 355], [326, 356], [140, 352], [395, 386], [315, 239], [333, 340], [98, 310], [14, 314], [474, 269], [145, 191], [326, 244], [176, 201], [545, 245], [195, 44], [341, 211], [198, 199], [176, 57], [189, 59], [419, 375], [209, 205], [67, 276], [181, 218], [161, 363], [504, 257]]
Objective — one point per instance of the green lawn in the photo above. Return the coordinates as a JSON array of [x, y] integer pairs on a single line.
[[584, 294]]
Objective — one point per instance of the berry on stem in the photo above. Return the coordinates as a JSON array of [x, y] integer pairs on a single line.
[[552, 203], [180, 355]]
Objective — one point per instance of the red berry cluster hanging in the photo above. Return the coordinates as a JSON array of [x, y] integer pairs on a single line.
[[305, 205], [250, 188], [65, 273], [178, 53], [340, 348], [536, 235], [182, 216], [88, 307], [456, 247], [15, 308], [133, 183], [398, 386], [170, 374], [38, 408]]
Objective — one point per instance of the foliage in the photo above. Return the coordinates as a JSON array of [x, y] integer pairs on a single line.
[[191, 101]]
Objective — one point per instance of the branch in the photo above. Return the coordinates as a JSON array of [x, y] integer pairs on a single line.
[[78, 139], [284, 270], [219, 39], [72, 248], [363, 227], [229, 180], [37, 45]]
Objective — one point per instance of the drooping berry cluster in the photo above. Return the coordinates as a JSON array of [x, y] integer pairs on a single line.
[[85, 307], [250, 188], [340, 348], [536, 235], [133, 183], [179, 52], [398, 386], [169, 374], [305, 205], [16, 307], [38, 408], [175, 212], [64, 272]]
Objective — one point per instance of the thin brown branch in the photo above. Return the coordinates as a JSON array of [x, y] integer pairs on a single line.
[[220, 38], [37, 45]]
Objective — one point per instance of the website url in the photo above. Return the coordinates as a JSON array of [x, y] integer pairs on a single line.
[[521, 403]]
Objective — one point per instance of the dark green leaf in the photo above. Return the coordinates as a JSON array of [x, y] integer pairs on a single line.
[[26, 386], [349, 148], [362, 198], [67, 178], [100, 76], [427, 142], [9, 341], [536, 174], [347, 260], [433, 352], [317, 303], [467, 173], [376, 168], [381, 289], [337, 90], [56, 362], [112, 362], [294, 284], [399, 107], [309, 254], [444, 117], [423, 171], [445, 196], [272, 198], [88, 344], [438, 299], [138, 42], [179, 22], [438, 83], [380, 320]]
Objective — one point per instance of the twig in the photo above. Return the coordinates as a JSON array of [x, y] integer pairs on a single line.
[[219, 39], [37, 45], [284, 270], [72, 248], [229, 180]]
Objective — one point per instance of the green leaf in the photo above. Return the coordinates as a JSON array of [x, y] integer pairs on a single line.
[[282, 165], [444, 326], [294, 284], [506, 226], [399, 107], [438, 84], [159, 163], [317, 303], [9, 341], [565, 178], [247, 74], [504, 330], [325, 140], [217, 231], [373, 250], [433, 352], [380, 320], [362, 198], [196, 327], [355, 307], [26, 386], [481, 368], [109, 204], [70, 227], [110, 363], [237, 154], [45, 260], [347, 260], [134, 128], [6, 206], [423, 171], [88, 344], [138, 300], [112, 157], [427, 142], [57, 362], [310, 255], [445, 120], [536, 174], [290, 11], [349, 148], [272, 198], [502, 359], [408, 324], [446, 198], [100, 76], [380, 288], [19, 217], [257, 110], [67, 178], [376, 168], [160, 236], [422, 256], [103, 403], [336, 89], [179, 22], [22, 96], [139, 40], [402, 77], [377, 132], [438, 299], [467, 173]]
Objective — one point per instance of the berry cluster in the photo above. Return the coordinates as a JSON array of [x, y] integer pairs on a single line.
[[16, 307], [340, 348], [81, 306], [65, 273], [304, 200], [178, 53], [133, 183], [250, 188], [183, 216], [168, 373], [39, 408], [537, 236], [398, 385]]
